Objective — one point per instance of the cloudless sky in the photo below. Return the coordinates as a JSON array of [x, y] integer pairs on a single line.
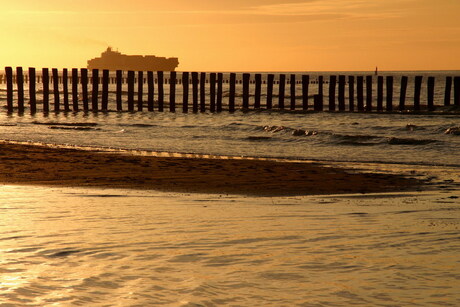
[[236, 35]]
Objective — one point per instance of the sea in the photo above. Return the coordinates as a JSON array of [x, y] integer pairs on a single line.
[[115, 247]]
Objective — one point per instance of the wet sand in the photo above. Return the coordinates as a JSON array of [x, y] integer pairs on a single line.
[[22, 163]]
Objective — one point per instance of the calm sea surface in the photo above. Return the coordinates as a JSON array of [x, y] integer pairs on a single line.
[[103, 247]]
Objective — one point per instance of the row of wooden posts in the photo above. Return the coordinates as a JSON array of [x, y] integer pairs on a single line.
[[198, 82]]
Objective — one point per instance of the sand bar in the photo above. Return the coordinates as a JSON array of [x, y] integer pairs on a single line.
[[22, 163]]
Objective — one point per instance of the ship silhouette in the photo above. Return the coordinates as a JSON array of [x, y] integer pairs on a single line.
[[114, 60]]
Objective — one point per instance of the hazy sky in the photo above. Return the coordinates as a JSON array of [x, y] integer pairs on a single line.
[[236, 35]]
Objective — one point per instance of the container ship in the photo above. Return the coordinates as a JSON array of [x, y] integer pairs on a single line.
[[114, 60]]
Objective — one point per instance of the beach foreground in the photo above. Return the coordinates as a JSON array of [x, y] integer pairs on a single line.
[[22, 163]]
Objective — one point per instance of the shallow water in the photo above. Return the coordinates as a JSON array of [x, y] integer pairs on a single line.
[[105, 247]]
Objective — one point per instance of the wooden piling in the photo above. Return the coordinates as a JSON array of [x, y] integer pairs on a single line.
[[195, 83], [305, 84], [84, 88], [389, 105], [55, 76], [292, 81], [220, 77], [270, 79], [231, 95], [342, 93], [172, 91], [332, 85], [131, 91], [95, 90], [369, 83], [380, 82], [74, 89], [32, 93], [351, 93], [447, 91], [105, 90], [317, 103], [212, 92], [246, 91], [20, 88], [185, 90], [257, 90], [119, 81], [9, 88], [320, 89], [140, 91], [65, 89], [203, 92], [417, 90], [402, 96], [430, 93], [46, 90], [457, 91], [360, 93], [281, 87], [160, 91]]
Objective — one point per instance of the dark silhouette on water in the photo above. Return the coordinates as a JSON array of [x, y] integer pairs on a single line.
[[114, 60]]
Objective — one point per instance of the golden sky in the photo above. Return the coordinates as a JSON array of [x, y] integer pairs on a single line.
[[236, 35]]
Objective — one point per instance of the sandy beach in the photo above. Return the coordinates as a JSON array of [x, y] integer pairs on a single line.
[[53, 166]]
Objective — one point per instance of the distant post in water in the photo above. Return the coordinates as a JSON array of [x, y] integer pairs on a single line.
[[380, 82], [320, 89], [448, 91], [293, 85], [342, 93], [185, 89], [195, 83], [65, 89], [360, 93], [305, 84], [46, 90], [150, 91], [430, 93], [9, 88], [74, 89], [20, 84], [270, 80], [369, 82], [220, 77], [203, 92], [105, 90], [317, 103], [332, 85], [212, 92], [281, 87], [257, 91], [402, 97], [389, 106], [457, 91], [417, 90], [172, 91], [84, 88], [160, 91], [140, 91], [95, 90], [246, 91], [32, 94], [56, 89], [231, 96], [131, 91], [119, 90], [351, 93]]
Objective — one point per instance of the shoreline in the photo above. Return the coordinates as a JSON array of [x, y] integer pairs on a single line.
[[60, 165]]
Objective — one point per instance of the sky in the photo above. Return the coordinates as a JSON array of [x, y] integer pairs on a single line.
[[236, 35]]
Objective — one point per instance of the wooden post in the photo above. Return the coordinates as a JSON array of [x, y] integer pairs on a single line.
[[457, 91], [231, 96], [402, 97], [140, 91], [332, 85], [293, 85], [448, 91], [270, 79], [195, 83], [20, 85], [95, 92], [360, 93], [369, 82], [105, 90], [9, 88], [185, 87], [389, 106], [320, 90], [220, 77], [172, 91], [305, 84], [160, 91], [257, 91], [351, 93], [246, 77], [317, 103], [46, 90], [131, 91], [342, 93], [32, 94], [56, 89], [380, 82], [119, 90], [417, 90], [430, 93], [75, 89], [84, 88], [212, 92], [65, 89], [203, 92], [281, 87]]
